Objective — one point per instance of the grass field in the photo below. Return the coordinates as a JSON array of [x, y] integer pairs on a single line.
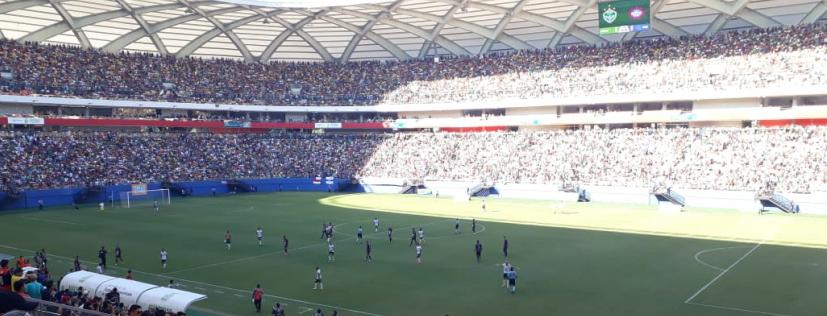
[[572, 259]]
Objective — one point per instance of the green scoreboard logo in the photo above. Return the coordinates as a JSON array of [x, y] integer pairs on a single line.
[[623, 16]]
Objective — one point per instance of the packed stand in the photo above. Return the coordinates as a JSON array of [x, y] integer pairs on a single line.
[[85, 159], [777, 57], [792, 158], [688, 158]]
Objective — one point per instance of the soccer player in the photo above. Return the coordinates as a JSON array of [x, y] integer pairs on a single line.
[[164, 258], [77, 264], [512, 280], [413, 237], [285, 242], [456, 226], [375, 224], [102, 256], [157, 206], [478, 250], [324, 231], [368, 257], [228, 239], [318, 281], [421, 236], [118, 254], [359, 232], [418, 253], [318, 312], [331, 252], [75, 205], [257, 296], [483, 205], [330, 230], [101, 206], [129, 275], [506, 267], [505, 247], [474, 225], [171, 284], [278, 310], [259, 235], [390, 234]]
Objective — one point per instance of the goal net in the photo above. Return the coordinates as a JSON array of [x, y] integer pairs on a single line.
[[130, 199]]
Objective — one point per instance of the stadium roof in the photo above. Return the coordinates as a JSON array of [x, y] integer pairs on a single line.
[[313, 30]]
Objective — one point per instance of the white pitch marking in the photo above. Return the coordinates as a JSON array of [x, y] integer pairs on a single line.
[[246, 258], [280, 251], [724, 272], [305, 309], [460, 235], [699, 253], [736, 309], [31, 218]]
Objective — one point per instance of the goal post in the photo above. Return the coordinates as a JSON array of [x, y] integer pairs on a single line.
[[130, 199]]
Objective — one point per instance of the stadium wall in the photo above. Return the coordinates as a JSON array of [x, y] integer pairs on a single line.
[[815, 203], [111, 194]]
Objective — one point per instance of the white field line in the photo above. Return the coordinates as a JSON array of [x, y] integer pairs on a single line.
[[736, 309], [32, 218], [67, 259], [482, 229], [280, 251], [698, 256], [215, 264], [723, 272]]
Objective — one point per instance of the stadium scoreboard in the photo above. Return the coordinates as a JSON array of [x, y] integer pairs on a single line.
[[623, 16]]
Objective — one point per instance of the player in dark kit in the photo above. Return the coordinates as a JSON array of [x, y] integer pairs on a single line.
[[505, 247], [102, 256], [413, 237], [368, 257], [228, 239], [478, 250], [285, 242], [77, 264], [257, 296], [118, 254], [473, 225], [278, 310]]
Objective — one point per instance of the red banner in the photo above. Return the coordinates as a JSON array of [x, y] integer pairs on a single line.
[[132, 123], [3, 121], [803, 122], [473, 129]]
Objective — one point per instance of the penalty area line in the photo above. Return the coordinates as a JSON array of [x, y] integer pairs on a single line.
[[723, 272]]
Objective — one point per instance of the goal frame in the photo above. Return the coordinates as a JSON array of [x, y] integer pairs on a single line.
[[166, 196]]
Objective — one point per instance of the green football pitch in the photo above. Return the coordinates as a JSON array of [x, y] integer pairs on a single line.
[[571, 258]]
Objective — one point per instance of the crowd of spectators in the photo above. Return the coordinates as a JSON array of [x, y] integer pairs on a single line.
[[34, 285], [690, 158], [84, 159], [793, 158], [776, 57]]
